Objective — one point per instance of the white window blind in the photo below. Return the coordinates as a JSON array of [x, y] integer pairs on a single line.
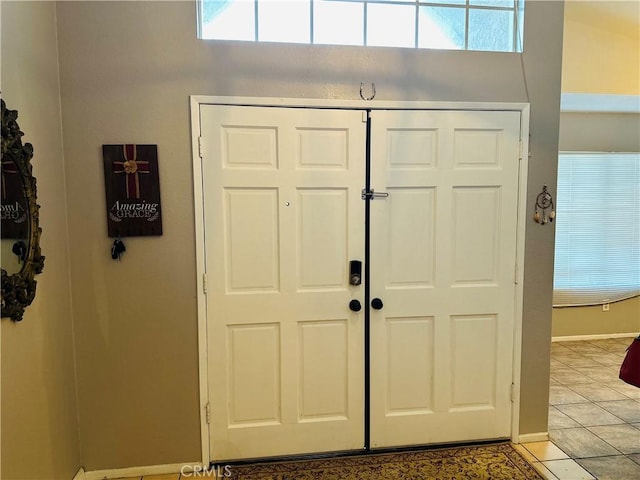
[[597, 254]]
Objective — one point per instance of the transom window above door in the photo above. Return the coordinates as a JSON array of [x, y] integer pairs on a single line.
[[489, 25]]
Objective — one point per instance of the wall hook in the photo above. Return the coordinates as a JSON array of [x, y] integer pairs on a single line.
[[19, 249], [117, 249], [373, 91]]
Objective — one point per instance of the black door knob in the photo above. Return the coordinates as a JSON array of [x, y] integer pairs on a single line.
[[354, 306], [377, 304]]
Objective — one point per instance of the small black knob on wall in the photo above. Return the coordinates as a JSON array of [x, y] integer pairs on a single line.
[[354, 306], [377, 304]]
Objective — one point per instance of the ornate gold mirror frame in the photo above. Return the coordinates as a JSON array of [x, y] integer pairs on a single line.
[[19, 289]]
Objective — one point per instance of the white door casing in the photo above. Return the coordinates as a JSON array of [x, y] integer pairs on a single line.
[[284, 368], [443, 253], [283, 218]]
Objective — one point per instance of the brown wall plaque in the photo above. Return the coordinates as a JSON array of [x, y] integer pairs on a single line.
[[132, 189]]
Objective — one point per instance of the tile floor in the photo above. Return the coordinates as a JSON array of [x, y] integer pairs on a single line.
[[594, 417]]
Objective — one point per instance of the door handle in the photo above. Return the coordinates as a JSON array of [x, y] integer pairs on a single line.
[[354, 306], [377, 304]]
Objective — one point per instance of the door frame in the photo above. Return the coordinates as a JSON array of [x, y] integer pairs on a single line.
[[198, 198]]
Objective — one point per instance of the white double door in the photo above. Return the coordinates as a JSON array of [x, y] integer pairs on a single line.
[[284, 217]]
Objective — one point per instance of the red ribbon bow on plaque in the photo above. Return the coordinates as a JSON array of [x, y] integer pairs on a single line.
[[7, 167], [131, 167]]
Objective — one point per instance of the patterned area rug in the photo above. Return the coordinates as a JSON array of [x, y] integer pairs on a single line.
[[486, 462]]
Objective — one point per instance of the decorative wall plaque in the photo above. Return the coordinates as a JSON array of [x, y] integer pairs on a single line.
[[132, 189], [15, 211]]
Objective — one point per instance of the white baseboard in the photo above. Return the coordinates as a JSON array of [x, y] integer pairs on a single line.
[[140, 471], [80, 475], [573, 338], [533, 437]]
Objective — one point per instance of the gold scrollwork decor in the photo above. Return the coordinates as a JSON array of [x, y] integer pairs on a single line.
[[19, 289]]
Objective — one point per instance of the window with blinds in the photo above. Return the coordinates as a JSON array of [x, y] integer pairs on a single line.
[[597, 253]]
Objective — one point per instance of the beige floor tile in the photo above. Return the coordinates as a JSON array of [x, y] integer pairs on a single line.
[[525, 453], [616, 347], [544, 471], [596, 392], [611, 468], [608, 358], [624, 438], [568, 470], [545, 451], [557, 364], [601, 373], [581, 443], [561, 394], [582, 361], [607, 398], [570, 376], [589, 414], [627, 410], [566, 359], [585, 347], [628, 390], [558, 420]]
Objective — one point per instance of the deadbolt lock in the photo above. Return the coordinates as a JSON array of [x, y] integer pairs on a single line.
[[355, 272]]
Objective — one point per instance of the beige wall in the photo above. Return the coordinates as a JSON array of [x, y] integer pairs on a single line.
[[600, 132], [601, 47], [127, 70], [39, 413], [622, 317]]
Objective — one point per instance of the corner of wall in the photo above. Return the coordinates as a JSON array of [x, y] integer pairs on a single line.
[[38, 382], [68, 246]]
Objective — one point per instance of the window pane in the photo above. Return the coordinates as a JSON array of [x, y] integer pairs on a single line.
[[491, 30], [439, 24], [228, 20], [338, 23], [441, 27], [493, 3], [520, 36], [284, 21], [391, 25], [450, 2]]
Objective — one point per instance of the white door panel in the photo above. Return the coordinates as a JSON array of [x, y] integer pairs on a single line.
[[283, 217], [443, 248]]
